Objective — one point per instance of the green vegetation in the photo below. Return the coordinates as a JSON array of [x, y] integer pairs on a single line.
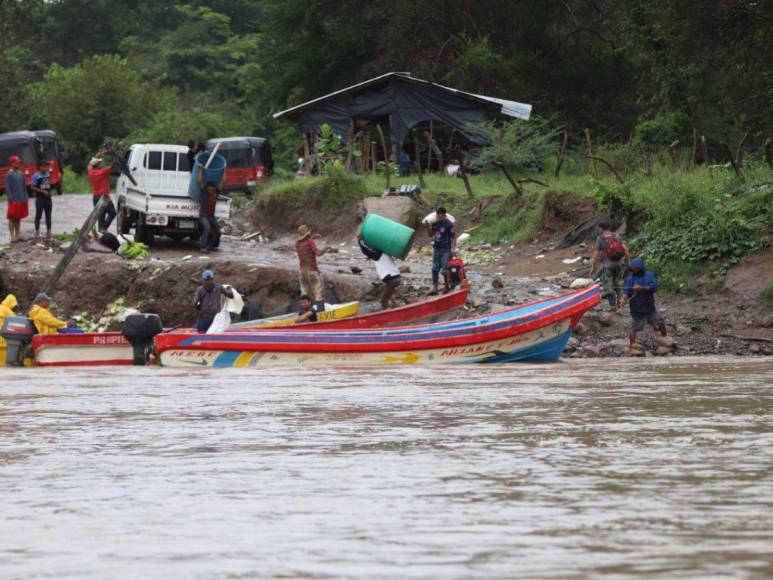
[[75, 182], [333, 191]]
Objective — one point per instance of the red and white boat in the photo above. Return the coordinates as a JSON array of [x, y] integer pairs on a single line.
[[112, 348]]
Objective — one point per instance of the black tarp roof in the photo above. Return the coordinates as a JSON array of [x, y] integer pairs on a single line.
[[405, 100]]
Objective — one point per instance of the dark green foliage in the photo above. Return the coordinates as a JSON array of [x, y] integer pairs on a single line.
[[709, 228], [766, 296]]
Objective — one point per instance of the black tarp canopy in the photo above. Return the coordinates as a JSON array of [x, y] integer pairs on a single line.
[[405, 100]]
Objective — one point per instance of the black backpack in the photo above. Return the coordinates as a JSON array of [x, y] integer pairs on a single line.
[[110, 241]]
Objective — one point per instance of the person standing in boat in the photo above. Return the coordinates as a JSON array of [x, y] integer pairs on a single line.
[[443, 233], [208, 300], [386, 268], [311, 281]]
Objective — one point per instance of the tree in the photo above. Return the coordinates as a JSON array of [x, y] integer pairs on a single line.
[[102, 96]]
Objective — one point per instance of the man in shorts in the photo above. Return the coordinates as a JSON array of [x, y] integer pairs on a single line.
[[639, 291], [310, 278], [18, 199]]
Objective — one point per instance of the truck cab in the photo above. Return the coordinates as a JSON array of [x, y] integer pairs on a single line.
[[152, 194]]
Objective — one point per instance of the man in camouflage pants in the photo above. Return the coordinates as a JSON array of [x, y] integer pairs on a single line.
[[614, 257]]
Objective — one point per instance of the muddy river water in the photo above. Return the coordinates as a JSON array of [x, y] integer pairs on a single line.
[[581, 469]]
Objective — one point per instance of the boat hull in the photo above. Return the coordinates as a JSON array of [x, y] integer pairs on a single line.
[[112, 349], [84, 349], [533, 332]]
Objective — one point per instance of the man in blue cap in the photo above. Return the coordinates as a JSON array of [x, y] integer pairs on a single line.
[[639, 290], [208, 300]]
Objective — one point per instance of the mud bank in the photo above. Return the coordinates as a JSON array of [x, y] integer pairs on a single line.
[[729, 320]]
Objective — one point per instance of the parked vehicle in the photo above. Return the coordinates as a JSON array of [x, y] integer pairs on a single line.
[[32, 147], [152, 194], [249, 161]]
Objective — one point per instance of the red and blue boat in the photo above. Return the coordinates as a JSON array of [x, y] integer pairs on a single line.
[[537, 331]]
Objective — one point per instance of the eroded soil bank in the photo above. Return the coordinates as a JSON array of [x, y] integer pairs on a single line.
[[729, 320]]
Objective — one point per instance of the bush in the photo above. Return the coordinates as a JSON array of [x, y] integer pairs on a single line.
[[665, 128], [692, 226], [333, 191]]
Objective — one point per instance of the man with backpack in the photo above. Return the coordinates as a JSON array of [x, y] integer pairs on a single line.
[[614, 257]]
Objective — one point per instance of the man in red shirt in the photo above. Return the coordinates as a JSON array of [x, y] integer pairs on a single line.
[[100, 187], [311, 280]]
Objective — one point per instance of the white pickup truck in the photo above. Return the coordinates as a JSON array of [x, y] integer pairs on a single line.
[[156, 200]]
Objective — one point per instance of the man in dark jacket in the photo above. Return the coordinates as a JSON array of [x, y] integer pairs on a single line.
[[639, 290], [208, 300]]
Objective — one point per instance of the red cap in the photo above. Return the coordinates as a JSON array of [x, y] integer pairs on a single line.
[[13, 159]]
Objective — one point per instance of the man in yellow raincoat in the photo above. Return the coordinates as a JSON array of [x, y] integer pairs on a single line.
[[41, 316], [6, 309]]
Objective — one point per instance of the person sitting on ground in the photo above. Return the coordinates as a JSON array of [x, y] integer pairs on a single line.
[[210, 228], [386, 268], [7, 307], [639, 290], [100, 187], [41, 185], [614, 257], [208, 300], [45, 322], [18, 199], [311, 281], [455, 275], [308, 312], [443, 234]]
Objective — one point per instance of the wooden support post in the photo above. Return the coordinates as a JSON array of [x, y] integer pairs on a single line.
[[768, 154], [739, 151], [433, 146], [589, 153], [694, 147], [517, 188], [562, 152], [95, 214], [646, 161], [373, 157], [733, 163], [306, 155], [350, 146], [705, 150], [429, 150], [465, 178], [386, 155], [419, 171], [672, 153]]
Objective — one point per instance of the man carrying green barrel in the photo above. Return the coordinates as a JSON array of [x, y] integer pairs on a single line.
[[443, 234]]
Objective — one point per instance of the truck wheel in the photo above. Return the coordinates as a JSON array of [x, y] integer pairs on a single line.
[[144, 232], [123, 221]]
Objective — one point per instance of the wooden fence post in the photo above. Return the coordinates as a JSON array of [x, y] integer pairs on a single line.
[[386, 155], [418, 160], [562, 153], [589, 148]]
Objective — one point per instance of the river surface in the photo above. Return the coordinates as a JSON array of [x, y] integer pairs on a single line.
[[656, 468]]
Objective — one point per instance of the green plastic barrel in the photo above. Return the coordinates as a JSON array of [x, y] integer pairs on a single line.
[[387, 236]]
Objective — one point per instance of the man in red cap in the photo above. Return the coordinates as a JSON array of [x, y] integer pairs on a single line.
[[18, 199]]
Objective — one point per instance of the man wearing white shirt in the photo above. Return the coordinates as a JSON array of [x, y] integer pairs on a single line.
[[386, 268]]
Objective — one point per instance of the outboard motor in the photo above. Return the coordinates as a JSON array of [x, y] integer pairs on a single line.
[[17, 332], [139, 330]]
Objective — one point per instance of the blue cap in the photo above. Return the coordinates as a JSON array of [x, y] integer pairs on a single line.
[[208, 275]]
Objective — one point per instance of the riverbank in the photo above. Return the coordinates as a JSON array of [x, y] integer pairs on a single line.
[[707, 323]]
